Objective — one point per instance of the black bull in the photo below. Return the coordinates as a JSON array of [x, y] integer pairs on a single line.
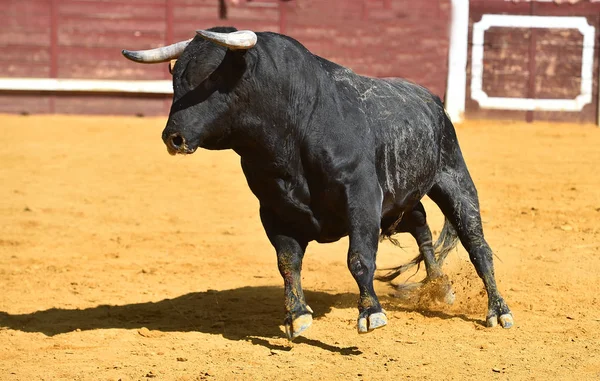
[[328, 153]]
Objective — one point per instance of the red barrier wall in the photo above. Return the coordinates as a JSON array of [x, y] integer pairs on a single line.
[[83, 39]]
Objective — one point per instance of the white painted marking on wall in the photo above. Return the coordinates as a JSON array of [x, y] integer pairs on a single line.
[[86, 85], [515, 21]]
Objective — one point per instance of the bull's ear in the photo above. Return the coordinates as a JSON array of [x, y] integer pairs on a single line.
[[171, 66], [240, 40]]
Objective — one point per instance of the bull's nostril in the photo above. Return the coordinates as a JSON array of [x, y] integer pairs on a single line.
[[176, 141]]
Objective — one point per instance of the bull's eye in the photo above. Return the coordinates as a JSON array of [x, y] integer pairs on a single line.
[[214, 77]]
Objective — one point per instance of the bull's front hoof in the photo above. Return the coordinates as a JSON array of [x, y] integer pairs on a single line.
[[367, 323], [293, 328]]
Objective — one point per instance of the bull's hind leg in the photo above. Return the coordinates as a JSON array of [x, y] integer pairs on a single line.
[[364, 214], [417, 226], [456, 196], [436, 283], [415, 223], [290, 252]]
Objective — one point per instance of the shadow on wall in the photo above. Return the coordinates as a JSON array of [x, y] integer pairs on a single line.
[[248, 313]]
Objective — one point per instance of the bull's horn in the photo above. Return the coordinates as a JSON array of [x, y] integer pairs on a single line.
[[164, 54], [240, 40]]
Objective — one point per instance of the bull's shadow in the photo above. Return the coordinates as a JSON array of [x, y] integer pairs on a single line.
[[248, 313]]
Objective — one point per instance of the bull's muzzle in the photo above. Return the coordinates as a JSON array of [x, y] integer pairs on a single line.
[[176, 145]]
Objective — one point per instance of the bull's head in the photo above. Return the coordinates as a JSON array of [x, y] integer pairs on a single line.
[[205, 78]]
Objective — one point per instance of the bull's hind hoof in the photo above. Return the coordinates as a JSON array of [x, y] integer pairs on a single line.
[[438, 289], [449, 297], [506, 320], [298, 325], [373, 321]]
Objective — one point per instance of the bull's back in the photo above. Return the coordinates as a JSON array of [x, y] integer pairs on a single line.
[[408, 122]]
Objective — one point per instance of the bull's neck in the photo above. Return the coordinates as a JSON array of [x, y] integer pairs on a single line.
[[275, 126], [286, 98], [268, 140]]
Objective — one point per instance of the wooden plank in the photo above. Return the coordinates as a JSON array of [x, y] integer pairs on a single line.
[[29, 103], [14, 10], [136, 2], [24, 55], [82, 24], [558, 63], [204, 3], [30, 69], [110, 39], [191, 12], [114, 11], [112, 105], [24, 37]]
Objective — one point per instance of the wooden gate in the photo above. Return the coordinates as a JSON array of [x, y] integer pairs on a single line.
[[533, 61]]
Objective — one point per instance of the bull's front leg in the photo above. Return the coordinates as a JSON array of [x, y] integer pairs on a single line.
[[290, 252], [364, 219]]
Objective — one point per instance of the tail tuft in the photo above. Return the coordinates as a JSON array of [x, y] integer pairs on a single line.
[[445, 243]]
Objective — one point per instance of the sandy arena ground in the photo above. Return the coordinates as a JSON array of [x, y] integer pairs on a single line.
[[118, 261]]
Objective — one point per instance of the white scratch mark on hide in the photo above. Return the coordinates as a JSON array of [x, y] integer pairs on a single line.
[[367, 93]]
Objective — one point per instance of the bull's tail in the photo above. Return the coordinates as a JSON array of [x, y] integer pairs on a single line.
[[394, 272], [445, 243]]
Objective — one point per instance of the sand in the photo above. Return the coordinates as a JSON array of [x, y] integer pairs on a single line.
[[118, 261]]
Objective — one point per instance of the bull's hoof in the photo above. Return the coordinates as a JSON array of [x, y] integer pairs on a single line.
[[506, 320], [367, 323], [449, 298], [499, 313], [293, 328]]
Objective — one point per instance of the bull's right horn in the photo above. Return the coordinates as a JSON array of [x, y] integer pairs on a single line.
[[239, 40], [164, 54]]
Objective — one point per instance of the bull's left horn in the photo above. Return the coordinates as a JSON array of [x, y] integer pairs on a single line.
[[240, 40], [164, 54]]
